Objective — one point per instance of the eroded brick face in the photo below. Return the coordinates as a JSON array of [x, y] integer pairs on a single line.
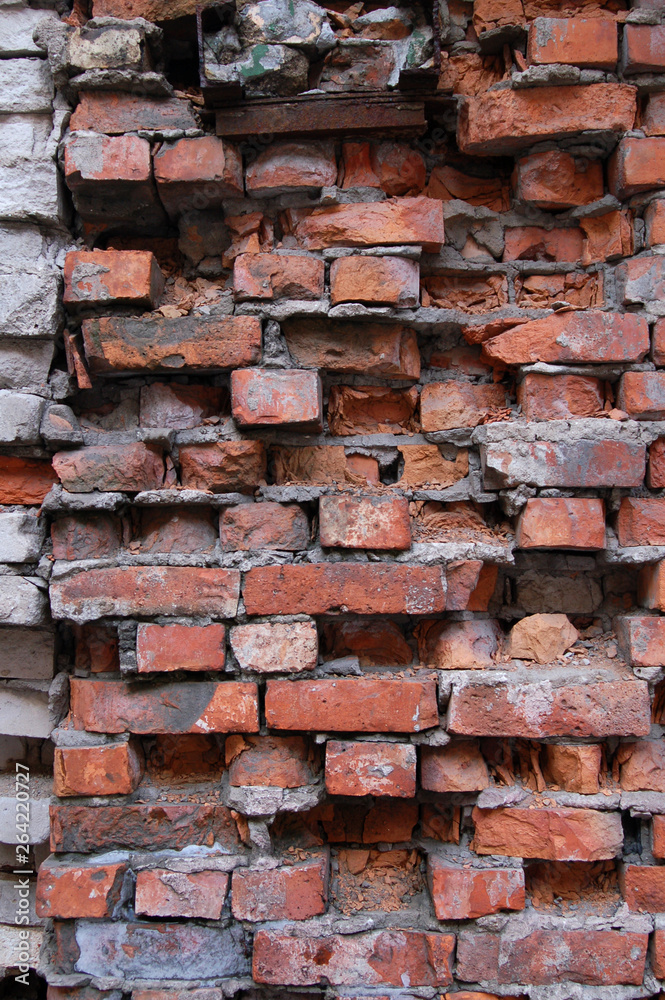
[[332, 576]]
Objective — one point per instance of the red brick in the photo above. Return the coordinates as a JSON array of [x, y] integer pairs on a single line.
[[151, 10], [606, 708], [642, 395], [96, 648], [223, 465], [390, 281], [465, 645], [189, 343], [654, 218], [644, 769], [180, 406], [573, 41], [658, 953], [387, 821], [189, 531], [164, 893], [86, 536], [465, 894], [398, 221], [400, 170], [653, 116], [378, 643], [275, 647], [165, 826], [160, 648], [656, 473], [197, 173], [274, 761], [652, 586], [502, 122], [643, 48], [357, 588], [658, 837], [637, 165], [371, 769], [348, 704], [643, 887], [445, 405], [112, 277], [583, 462], [555, 180], [471, 585], [560, 397], [288, 167], [106, 770], [67, 891], [323, 464], [642, 639], [283, 527], [205, 707], [389, 957], [641, 522], [364, 522], [132, 467], [389, 350], [115, 113], [25, 480], [535, 243], [550, 834], [642, 279], [575, 769], [469, 294], [658, 351], [265, 397], [111, 180], [458, 767], [591, 336], [562, 523], [607, 237], [294, 893], [270, 276], [146, 590], [371, 409]]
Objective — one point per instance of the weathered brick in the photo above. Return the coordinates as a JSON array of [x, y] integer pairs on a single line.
[[323, 464], [283, 527], [606, 708], [166, 826], [654, 219], [390, 281], [502, 122], [551, 834], [573, 41], [375, 643], [264, 397], [178, 407], [591, 336], [644, 769], [607, 237], [151, 10], [571, 462], [640, 521], [86, 536], [389, 350], [424, 465], [636, 165], [575, 769], [204, 707], [197, 173], [146, 590], [653, 116], [374, 959], [642, 639], [223, 465], [160, 648], [458, 767], [387, 821], [179, 530], [398, 221], [642, 395], [562, 523], [65, 890], [536, 243], [275, 761], [112, 277], [25, 480], [288, 167], [349, 704], [364, 522], [658, 836], [132, 467], [643, 48], [444, 405], [643, 888], [652, 586], [560, 397], [269, 276], [110, 178], [465, 894], [354, 768], [658, 953], [371, 409], [642, 279], [294, 893], [114, 113], [105, 770], [189, 343], [164, 893], [656, 471], [465, 645], [274, 647], [359, 588]]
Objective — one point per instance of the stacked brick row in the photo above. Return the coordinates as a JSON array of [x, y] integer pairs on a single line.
[[356, 556]]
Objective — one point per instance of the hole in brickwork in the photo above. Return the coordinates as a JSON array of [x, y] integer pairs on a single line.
[[13, 989]]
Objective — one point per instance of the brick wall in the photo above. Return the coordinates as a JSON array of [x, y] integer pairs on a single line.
[[332, 472]]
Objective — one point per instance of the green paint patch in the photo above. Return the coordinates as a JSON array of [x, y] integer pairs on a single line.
[[257, 68]]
